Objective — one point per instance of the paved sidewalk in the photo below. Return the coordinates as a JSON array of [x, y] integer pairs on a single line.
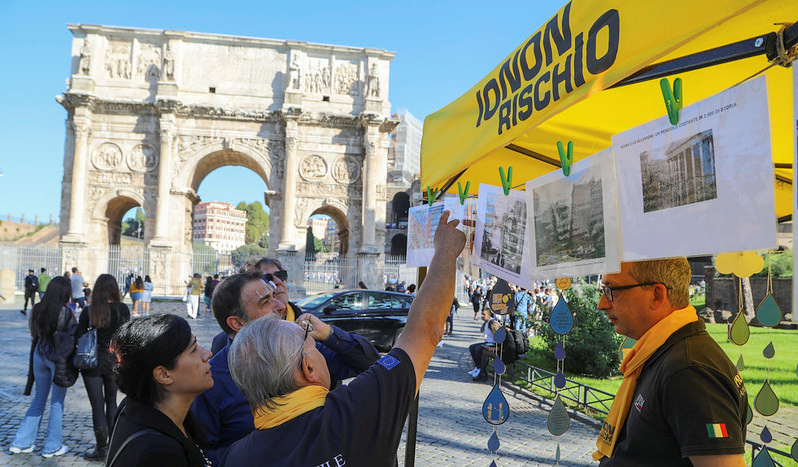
[[451, 430]]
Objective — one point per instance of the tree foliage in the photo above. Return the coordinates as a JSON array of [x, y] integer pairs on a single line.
[[243, 252], [592, 345], [257, 230], [131, 224]]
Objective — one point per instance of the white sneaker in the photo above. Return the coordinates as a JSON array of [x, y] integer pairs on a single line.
[[440, 344], [63, 450], [16, 450]]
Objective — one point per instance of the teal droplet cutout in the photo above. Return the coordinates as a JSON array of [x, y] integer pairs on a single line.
[[763, 459], [559, 420], [559, 379], [498, 366], [559, 351], [493, 442], [562, 321], [500, 335], [794, 451], [769, 351], [768, 312], [495, 408], [557, 455], [627, 343], [502, 298], [749, 415], [766, 402], [765, 435], [740, 365], [739, 332]]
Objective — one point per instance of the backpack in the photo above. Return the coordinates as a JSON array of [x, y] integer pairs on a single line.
[[32, 283], [515, 345]]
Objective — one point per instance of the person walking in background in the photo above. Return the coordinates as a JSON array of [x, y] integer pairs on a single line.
[[209, 286], [161, 369], [51, 315], [128, 283], [31, 287], [476, 299], [44, 280], [146, 296], [192, 303], [106, 313], [78, 283], [135, 294]]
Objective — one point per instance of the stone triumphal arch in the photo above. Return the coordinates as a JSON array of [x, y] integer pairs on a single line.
[[152, 112]]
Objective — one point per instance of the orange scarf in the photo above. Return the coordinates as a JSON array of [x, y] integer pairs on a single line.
[[290, 406], [631, 367]]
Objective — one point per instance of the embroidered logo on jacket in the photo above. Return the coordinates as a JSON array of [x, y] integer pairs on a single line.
[[639, 401], [388, 362], [717, 430]]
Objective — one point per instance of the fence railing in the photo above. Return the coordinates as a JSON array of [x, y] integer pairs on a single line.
[[584, 396], [775, 454]]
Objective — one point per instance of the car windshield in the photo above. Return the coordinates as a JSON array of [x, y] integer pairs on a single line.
[[314, 301]]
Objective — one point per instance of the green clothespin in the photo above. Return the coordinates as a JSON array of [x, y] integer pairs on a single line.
[[566, 157], [673, 99], [432, 193], [507, 182], [463, 194]]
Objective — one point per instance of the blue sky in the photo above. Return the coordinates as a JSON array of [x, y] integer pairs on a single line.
[[442, 49]]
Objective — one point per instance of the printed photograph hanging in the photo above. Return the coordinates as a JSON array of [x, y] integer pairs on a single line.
[[421, 224], [572, 222], [500, 246], [704, 186]]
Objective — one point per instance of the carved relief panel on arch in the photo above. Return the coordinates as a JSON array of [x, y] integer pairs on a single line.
[[313, 168]]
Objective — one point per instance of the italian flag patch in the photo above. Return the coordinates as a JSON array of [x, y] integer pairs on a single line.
[[717, 430]]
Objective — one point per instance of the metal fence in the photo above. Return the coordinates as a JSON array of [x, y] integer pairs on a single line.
[[323, 275]]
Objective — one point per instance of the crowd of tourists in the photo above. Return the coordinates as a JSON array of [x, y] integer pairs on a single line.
[[271, 393]]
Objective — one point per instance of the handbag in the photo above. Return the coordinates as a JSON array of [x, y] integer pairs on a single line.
[[86, 352]]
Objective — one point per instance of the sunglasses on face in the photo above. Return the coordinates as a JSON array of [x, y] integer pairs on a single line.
[[281, 274]]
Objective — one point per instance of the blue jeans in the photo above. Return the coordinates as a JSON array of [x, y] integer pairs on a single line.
[[43, 371]]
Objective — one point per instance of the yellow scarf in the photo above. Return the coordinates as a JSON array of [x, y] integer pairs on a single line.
[[289, 313], [631, 367], [290, 406]]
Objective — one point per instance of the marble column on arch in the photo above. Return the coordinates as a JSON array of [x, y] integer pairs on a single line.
[[287, 231], [81, 125], [168, 132], [370, 182]]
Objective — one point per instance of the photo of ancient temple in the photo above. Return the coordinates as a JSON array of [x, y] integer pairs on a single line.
[[683, 174]]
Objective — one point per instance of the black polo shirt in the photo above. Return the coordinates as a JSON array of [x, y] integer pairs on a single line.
[[360, 424], [689, 401]]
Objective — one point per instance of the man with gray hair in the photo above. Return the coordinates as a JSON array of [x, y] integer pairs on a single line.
[[242, 298], [298, 421], [682, 401]]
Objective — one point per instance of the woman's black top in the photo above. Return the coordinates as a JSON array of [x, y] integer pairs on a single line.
[[163, 444]]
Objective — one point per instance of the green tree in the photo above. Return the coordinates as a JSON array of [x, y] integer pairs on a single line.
[[205, 258], [310, 245], [592, 345], [320, 246], [243, 252], [257, 223]]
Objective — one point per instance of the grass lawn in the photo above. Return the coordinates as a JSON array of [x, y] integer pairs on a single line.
[[780, 370]]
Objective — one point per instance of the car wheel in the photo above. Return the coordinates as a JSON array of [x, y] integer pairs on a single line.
[[396, 335]]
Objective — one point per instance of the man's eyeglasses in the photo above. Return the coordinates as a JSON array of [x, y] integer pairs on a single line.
[[281, 274], [264, 294], [607, 290]]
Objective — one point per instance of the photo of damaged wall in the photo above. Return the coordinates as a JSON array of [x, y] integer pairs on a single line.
[[504, 233], [683, 174], [569, 219]]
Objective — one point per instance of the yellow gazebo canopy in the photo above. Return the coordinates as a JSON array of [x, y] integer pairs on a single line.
[[558, 86]]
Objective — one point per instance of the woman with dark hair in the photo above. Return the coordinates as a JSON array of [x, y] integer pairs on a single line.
[[106, 313], [162, 369], [135, 294], [49, 316]]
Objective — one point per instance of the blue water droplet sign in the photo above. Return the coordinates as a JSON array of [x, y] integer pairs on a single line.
[[493, 442], [562, 321], [558, 420], [559, 351], [559, 380], [498, 366], [765, 435], [500, 335], [495, 409]]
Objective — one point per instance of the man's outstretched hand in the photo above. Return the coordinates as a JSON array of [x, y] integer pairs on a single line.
[[449, 241]]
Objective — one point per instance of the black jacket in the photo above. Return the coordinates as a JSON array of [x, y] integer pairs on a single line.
[[167, 448]]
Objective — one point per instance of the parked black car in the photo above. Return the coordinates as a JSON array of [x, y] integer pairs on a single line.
[[378, 316]]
